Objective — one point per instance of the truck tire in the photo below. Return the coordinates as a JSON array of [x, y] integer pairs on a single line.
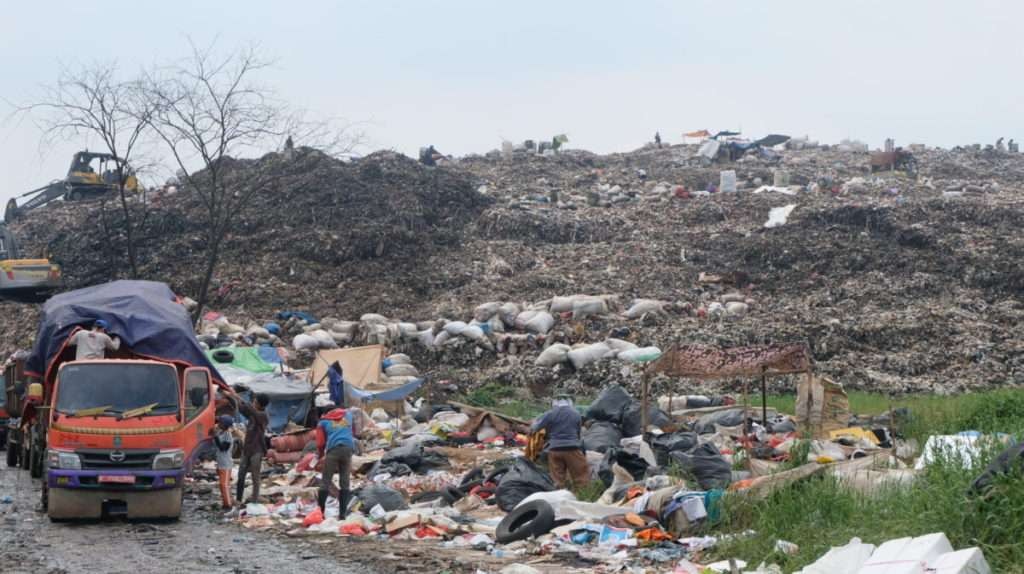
[[35, 462], [12, 455]]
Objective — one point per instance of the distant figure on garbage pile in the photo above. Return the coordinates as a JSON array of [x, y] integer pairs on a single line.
[[1012, 146], [222, 442], [335, 443], [429, 156], [566, 459], [289, 144], [254, 445], [999, 145], [336, 383], [94, 344], [657, 139]]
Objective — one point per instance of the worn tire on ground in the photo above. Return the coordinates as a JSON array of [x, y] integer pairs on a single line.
[[531, 519]]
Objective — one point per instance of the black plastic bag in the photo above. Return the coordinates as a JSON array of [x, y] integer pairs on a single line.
[[1010, 459], [601, 436], [413, 456], [609, 405], [392, 468], [728, 418], [706, 464], [632, 418], [388, 498], [522, 480], [664, 444], [634, 465]]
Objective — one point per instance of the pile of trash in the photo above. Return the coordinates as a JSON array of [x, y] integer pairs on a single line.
[[861, 265], [463, 478]]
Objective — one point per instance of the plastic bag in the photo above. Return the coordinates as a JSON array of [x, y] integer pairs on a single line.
[[633, 464], [610, 404], [601, 436], [664, 444], [1009, 459], [413, 456], [641, 355], [553, 355], [541, 323], [584, 307], [455, 328], [632, 419], [388, 498], [522, 480], [641, 307], [727, 418], [706, 464], [401, 370], [303, 341], [483, 313], [590, 354]]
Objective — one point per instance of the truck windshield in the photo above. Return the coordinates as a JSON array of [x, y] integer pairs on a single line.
[[116, 389]]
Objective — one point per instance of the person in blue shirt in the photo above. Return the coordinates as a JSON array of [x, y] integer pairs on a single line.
[[335, 442], [336, 383], [566, 459]]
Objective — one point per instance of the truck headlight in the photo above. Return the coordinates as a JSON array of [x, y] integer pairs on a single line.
[[169, 459], [64, 460]]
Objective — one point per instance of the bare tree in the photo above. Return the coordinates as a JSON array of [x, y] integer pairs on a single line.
[[94, 101], [209, 108]]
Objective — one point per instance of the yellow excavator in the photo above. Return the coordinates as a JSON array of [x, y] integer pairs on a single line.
[[24, 279], [90, 174]]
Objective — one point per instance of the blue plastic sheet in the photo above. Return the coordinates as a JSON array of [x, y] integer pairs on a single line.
[[143, 314], [388, 395]]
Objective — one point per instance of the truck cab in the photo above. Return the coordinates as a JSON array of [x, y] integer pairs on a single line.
[[121, 435]]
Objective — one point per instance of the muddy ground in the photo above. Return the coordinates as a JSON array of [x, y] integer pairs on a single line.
[[202, 541]]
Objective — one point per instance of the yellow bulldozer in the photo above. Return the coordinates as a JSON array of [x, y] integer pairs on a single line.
[[91, 174]]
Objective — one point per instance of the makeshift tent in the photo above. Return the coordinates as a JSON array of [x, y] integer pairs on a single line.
[[291, 395], [145, 315], [697, 134], [362, 371], [361, 365], [772, 140], [703, 362]]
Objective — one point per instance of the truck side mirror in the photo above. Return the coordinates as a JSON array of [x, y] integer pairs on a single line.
[[197, 391]]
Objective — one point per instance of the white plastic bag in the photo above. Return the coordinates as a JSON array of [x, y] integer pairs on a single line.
[[641, 307], [641, 355], [541, 323], [778, 216], [590, 354], [553, 355]]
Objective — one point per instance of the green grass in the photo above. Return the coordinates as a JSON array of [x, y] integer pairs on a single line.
[[506, 400], [819, 513]]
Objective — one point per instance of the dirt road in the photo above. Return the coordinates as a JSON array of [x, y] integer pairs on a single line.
[[199, 542]]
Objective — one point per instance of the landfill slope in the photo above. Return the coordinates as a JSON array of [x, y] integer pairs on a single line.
[[895, 283]]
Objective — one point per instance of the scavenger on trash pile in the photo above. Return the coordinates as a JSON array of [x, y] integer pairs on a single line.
[[254, 445], [566, 459]]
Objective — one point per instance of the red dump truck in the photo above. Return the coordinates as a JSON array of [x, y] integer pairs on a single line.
[[115, 435]]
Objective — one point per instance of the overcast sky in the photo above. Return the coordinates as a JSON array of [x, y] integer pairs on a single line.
[[463, 75]]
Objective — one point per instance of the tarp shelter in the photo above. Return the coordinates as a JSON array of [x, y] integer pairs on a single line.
[[362, 367], [697, 134], [145, 315], [291, 395], [705, 362]]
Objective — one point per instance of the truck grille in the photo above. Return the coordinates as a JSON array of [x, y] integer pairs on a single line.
[[100, 459]]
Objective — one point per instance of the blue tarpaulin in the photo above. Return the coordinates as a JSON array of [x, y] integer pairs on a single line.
[[388, 395], [143, 314]]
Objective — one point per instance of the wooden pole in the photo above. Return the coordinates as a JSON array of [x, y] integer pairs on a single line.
[[643, 412], [764, 398]]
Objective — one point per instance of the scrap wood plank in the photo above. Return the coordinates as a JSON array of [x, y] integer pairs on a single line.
[[472, 411]]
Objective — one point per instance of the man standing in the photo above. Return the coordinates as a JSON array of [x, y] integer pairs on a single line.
[[335, 442], [253, 446], [336, 383], [565, 450], [94, 344]]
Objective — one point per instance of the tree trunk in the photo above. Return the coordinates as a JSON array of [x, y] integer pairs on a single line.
[[129, 232], [211, 265]]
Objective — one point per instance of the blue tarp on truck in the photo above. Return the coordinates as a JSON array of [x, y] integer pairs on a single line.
[[145, 315]]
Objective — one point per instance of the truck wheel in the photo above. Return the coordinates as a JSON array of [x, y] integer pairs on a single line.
[[12, 455], [35, 466]]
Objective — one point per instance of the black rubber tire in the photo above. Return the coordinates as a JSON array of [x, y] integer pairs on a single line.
[[428, 496], [465, 488], [496, 474], [474, 475], [35, 465], [12, 456], [535, 518], [451, 494], [223, 356]]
